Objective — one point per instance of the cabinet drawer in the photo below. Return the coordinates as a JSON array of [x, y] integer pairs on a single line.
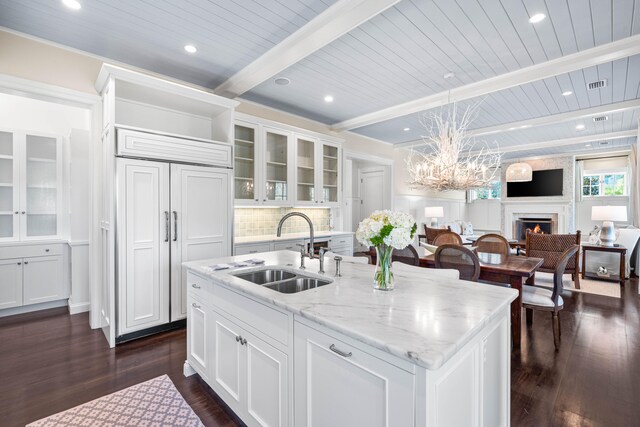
[[198, 287], [26, 251], [252, 249], [270, 322], [291, 245]]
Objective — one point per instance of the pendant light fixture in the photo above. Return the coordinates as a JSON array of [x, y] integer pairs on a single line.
[[519, 172]]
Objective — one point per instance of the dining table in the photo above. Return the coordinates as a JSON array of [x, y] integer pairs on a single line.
[[509, 269]]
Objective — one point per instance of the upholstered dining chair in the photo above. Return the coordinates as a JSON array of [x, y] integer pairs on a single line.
[[447, 238], [550, 247], [431, 233], [493, 244], [459, 258], [537, 298], [408, 255]]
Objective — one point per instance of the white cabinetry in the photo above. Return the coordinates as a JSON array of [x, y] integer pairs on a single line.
[[246, 366], [151, 118], [11, 288], [280, 165], [341, 244], [30, 186], [317, 171], [32, 274], [339, 384]]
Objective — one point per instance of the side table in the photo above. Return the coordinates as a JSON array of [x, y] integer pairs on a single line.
[[617, 249]]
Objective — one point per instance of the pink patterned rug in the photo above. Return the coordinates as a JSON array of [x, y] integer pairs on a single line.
[[156, 402]]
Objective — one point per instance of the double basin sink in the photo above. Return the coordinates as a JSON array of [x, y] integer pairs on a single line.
[[282, 281]]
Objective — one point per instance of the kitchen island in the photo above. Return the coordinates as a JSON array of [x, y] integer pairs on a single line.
[[432, 352]]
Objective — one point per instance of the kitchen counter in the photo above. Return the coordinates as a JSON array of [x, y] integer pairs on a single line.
[[269, 238], [424, 320]]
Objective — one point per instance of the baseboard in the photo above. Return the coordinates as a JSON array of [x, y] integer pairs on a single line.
[[81, 307], [32, 307]]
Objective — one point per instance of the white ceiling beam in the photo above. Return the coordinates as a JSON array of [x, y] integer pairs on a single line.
[[543, 121], [342, 17], [587, 58], [570, 141]]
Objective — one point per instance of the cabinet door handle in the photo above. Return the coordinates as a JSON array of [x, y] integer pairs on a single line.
[[19, 263], [195, 305], [238, 338], [26, 262], [333, 348], [23, 212], [193, 285], [166, 226], [175, 226], [244, 341], [16, 212], [46, 250]]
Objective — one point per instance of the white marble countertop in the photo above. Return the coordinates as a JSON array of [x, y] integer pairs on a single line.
[[268, 238], [424, 319]]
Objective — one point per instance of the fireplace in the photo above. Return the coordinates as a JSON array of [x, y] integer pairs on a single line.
[[535, 225]]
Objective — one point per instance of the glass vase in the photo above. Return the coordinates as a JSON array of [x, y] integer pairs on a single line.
[[383, 278]]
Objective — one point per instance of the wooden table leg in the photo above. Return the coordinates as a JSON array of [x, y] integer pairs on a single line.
[[584, 266], [622, 268], [516, 311]]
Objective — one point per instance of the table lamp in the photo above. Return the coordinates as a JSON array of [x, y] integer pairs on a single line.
[[608, 214], [434, 212]]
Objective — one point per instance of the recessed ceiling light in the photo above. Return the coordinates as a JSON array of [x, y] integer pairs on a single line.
[[525, 126], [282, 81], [406, 129], [580, 127], [72, 4], [587, 145], [512, 128], [190, 48], [448, 76], [567, 93], [328, 98], [534, 19]]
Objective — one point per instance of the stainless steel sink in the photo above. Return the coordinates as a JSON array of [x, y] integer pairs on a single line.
[[283, 281], [296, 285], [266, 276]]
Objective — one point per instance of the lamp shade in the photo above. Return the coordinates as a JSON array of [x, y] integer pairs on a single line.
[[609, 213], [434, 212], [519, 172]]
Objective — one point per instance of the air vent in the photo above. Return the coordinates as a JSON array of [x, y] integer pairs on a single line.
[[600, 119], [597, 85]]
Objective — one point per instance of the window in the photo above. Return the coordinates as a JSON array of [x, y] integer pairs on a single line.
[[491, 192], [604, 184]]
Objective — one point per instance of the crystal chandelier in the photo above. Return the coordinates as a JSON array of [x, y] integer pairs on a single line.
[[450, 159]]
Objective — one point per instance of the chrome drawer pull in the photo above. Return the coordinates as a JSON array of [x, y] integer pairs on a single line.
[[193, 285], [243, 341], [238, 338], [333, 348], [195, 305]]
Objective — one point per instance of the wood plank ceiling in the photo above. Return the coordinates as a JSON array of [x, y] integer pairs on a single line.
[[397, 56]]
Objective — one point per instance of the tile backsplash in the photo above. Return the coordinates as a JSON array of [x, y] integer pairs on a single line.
[[261, 221]]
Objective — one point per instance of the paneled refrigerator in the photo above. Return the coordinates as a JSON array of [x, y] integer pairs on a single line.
[[167, 213]]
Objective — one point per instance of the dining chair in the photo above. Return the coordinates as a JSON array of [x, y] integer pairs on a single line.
[[431, 233], [447, 238], [550, 248], [493, 244], [408, 255], [537, 298], [459, 258]]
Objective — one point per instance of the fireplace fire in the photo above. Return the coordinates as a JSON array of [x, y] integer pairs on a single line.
[[533, 225]]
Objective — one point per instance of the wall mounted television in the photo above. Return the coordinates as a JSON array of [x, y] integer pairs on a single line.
[[545, 183]]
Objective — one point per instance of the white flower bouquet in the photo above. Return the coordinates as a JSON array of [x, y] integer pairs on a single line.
[[386, 230]]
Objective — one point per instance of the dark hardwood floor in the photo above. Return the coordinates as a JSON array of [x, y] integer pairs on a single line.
[[50, 361]]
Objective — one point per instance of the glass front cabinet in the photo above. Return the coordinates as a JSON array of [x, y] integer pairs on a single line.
[[277, 167], [30, 186]]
